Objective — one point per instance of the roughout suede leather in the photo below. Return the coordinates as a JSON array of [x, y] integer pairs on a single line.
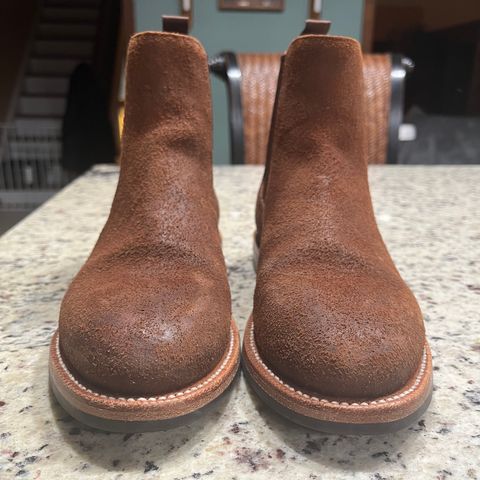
[[331, 313], [150, 311]]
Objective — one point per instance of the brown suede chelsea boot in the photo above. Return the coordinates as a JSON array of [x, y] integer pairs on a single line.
[[336, 341], [146, 338]]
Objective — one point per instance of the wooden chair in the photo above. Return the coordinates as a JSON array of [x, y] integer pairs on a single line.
[[251, 80]]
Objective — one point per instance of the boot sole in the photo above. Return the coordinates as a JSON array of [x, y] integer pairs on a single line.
[[104, 411], [381, 415]]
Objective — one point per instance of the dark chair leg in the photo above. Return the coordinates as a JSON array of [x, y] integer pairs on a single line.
[[401, 67], [225, 67]]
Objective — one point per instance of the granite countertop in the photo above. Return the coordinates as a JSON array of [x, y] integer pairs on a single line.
[[429, 217]]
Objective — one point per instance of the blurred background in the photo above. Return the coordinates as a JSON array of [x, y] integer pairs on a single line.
[[62, 76]]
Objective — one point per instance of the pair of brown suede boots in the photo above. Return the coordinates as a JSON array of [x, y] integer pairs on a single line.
[[336, 340]]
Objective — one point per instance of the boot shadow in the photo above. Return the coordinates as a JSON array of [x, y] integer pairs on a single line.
[[346, 453], [137, 452]]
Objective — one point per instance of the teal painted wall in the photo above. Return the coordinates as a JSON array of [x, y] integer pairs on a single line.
[[246, 32]]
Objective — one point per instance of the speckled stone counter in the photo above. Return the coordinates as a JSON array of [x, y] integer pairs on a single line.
[[430, 219]]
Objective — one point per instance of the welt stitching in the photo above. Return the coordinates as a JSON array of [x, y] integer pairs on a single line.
[[324, 401], [161, 398]]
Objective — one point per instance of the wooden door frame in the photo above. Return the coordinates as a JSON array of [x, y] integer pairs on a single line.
[[125, 31], [368, 25]]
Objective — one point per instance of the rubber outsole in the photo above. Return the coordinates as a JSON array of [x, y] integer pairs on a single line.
[[105, 411]]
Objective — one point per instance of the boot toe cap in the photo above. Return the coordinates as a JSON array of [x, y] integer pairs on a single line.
[[144, 344], [360, 342]]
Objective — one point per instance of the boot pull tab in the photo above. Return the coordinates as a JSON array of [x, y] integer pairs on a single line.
[[174, 24], [316, 27]]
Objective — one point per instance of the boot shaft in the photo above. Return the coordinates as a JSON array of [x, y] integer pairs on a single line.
[[166, 179], [319, 112], [166, 160], [168, 101], [317, 145]]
